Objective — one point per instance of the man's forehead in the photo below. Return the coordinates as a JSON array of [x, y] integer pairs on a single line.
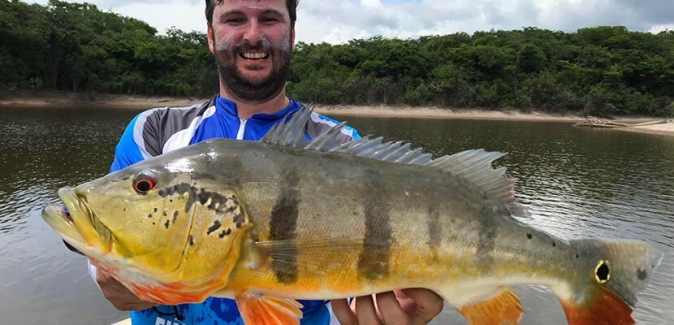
[[253, 4]]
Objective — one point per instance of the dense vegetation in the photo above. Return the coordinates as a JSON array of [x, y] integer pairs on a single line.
[[601, 70]]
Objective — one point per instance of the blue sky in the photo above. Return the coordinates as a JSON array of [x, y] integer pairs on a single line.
[[339, 21]]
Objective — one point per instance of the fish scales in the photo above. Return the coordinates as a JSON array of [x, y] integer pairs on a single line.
[[269, 222], [390, 210]]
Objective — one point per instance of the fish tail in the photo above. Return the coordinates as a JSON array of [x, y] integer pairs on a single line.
[[606, 292]]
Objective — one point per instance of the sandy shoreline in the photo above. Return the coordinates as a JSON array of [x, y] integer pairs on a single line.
[[66, 99]]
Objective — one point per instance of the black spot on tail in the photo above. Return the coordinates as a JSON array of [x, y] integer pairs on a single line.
[[374, 259], [602, 271], [642, 274], [282, 226]]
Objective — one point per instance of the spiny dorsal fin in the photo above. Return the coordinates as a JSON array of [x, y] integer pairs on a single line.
[[474, 166]]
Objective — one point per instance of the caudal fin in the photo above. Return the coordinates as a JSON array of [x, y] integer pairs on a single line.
[[607, 293]]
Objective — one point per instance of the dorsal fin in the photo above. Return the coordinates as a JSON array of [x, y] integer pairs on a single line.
[[474, 166]]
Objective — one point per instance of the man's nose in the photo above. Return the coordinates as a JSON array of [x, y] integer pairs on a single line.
[[253, 33]]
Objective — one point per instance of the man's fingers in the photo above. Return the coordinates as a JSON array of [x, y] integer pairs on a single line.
[[343, 312], [426, 305], [365, 311], [390, 309]]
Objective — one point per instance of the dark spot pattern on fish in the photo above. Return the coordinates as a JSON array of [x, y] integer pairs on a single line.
[[218, 201], [642, 274], [166, 224], [155, 210], [374, 259], [434, 231], [191, 240], [175, 216], [529, 236], [283, 226], [224, 233], [239, 220], [149, 215], [216, 225]]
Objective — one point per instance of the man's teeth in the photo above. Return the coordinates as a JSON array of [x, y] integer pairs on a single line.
[[255, 55]]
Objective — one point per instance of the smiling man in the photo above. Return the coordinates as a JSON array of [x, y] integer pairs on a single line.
[[252, 42]]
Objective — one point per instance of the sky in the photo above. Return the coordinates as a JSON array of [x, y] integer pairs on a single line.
[[338, 21]]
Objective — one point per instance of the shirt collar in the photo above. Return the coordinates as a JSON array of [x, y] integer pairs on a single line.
[[230, 108]]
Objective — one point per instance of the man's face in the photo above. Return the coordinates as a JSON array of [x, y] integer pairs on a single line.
[[252, 41]]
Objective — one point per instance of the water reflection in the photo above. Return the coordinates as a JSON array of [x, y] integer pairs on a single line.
[[578, 182]]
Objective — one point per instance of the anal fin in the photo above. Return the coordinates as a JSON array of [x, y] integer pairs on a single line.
[[256, 309], [605, 308], [501, 309]]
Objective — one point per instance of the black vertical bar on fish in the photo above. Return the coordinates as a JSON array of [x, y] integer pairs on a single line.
[[374, 259], [434, 228], [283, 226]]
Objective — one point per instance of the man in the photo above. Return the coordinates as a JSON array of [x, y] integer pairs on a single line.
[[252, 42]]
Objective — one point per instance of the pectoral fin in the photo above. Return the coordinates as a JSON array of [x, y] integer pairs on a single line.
[[501, 309], [258, 309]]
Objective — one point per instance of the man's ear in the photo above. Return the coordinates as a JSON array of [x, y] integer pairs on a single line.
[[209, 35]]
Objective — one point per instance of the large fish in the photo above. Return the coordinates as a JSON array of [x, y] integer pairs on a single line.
[[271, 222]]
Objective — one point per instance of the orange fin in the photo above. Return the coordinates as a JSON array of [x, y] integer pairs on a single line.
[[502, 309], [265, 310], [168, 295], [606, 308]]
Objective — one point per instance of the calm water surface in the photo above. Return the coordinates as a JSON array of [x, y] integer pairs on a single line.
[[579, 183]]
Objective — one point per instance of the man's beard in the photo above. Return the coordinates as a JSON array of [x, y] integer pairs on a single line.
[[244, 89]]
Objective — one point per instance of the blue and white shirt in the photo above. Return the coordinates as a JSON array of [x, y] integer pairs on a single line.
[[161, 130]]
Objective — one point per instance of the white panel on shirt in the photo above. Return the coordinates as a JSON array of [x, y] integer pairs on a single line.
[[183, 137]]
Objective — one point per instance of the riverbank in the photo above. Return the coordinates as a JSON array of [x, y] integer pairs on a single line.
[[47, 99]]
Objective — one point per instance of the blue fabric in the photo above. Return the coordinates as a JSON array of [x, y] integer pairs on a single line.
[[214, 311], [127, 152]]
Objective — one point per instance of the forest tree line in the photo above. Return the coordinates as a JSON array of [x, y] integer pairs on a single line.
[[605, 70]]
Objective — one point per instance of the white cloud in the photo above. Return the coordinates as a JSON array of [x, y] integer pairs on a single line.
[[340, 21]]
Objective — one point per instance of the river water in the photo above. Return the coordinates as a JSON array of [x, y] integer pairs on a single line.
[[578, 182]]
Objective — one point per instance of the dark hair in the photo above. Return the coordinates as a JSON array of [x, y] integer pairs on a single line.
[[290, 4]]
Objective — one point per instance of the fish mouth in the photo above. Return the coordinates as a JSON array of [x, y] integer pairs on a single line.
[[77, 224]]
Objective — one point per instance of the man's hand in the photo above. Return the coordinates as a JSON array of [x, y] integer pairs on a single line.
[[120, 297], [404, 307]]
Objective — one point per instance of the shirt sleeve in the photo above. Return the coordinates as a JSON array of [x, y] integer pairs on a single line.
[[131, 147]]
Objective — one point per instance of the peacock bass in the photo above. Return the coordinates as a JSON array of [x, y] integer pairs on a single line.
[[288, 218]]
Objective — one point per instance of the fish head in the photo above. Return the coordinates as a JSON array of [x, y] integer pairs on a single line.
[[166, 219]]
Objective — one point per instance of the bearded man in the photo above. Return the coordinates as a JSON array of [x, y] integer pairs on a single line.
[[252, 42]]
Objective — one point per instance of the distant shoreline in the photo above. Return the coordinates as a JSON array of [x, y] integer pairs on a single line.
[[46, 99]]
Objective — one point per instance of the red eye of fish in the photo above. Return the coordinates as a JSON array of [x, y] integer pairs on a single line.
[[144, 182]]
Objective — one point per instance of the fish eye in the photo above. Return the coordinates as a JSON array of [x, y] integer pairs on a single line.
[[144, 182], [602, 272]]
